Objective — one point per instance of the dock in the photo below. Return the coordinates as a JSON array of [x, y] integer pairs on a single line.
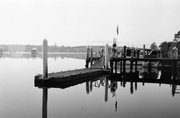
[[65, 79], [61, 79], [120, 68], [121, 64]]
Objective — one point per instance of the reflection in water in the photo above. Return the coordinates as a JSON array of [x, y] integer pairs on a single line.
[[111, 85], [45, 102], [106, 89]]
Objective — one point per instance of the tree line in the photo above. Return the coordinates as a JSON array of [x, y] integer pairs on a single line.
[[166, 47], [53, 48]]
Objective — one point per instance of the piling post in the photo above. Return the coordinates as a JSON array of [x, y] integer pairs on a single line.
[[45, 75], [45, 58], [106, 56], [132, 56], [87, 56], [121, 66], [144, 51], [91, 52], [131, 67], [115, 67], [102, 56], [124, 63], [137, 56]]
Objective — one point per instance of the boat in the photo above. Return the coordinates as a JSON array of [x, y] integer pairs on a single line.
[[152, 54], [34, 51]]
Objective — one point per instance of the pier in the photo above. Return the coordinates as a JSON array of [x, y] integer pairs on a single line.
[[125, 67], [122, 65], [65, 79]]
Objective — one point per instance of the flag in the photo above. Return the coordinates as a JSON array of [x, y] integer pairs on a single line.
[[117, 30]]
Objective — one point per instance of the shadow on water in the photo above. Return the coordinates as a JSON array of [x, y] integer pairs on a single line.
[[110, 84]]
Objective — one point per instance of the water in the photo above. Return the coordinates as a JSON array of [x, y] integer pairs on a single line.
[[101, 98]]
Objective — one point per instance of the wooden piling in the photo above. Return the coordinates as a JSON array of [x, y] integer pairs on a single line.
[[87, 56], [91, 56], [45, 75], [121, 66], [115, 67], [111, 65], [137, 56], [124, 62], [131, 67], [45, 58], [144, 51], [106, 56]]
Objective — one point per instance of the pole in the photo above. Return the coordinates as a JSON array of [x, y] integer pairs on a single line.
[[144, 51], [91, 55], [45, 75], [106, 57], [87, 56], [45, 64], [124, 62]]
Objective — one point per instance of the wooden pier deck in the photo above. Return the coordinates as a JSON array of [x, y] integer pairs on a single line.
[[59, 79]]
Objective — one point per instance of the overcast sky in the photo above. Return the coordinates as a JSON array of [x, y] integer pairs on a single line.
[[88, 22]]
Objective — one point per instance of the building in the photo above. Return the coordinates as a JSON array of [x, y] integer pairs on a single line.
[[177, 36]]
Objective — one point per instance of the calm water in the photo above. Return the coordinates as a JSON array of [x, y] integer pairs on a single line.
[[99, 98]]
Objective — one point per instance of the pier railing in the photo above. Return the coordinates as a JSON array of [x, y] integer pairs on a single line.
[[134, 62]]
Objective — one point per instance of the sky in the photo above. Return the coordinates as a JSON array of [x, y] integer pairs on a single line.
[[88, 22]]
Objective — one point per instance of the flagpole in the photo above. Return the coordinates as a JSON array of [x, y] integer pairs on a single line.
[[117, 34]]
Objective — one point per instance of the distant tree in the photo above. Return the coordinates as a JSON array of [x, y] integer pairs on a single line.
[[165, 48], [153, 46]]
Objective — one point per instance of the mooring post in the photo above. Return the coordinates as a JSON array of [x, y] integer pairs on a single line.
[[45, 75], [45, 58], [91, 55], [136, 54], [124, 63], [121, 66], [131, 67], [144, 51], [115, 67], [106, 57], [132, 56], [102, 56], [87, 56]]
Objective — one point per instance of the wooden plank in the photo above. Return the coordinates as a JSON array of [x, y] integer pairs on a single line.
[[56, 79], [143, 59]]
